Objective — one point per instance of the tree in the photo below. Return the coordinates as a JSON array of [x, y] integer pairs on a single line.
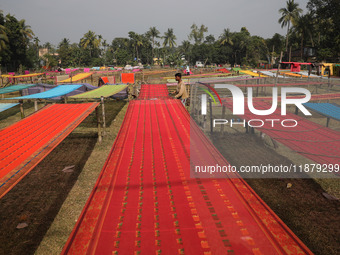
[[90, 41], [169, 38], [65, 53], [120, 50], [275, 45], [303, 28], [3, 38], [137, 41], [226, 38], [36, 45], [15, 53], [197, 33], [210, 39], [153, 33], [325, 13], [26, 30], [289, 15]]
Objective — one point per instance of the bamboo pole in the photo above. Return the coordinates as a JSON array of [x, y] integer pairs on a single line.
[[22, 110], [35, 105], [99, 126]]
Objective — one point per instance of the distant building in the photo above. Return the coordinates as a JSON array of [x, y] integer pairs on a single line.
[[44, 51]]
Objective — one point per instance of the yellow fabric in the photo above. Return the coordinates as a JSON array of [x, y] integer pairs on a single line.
[[324, 66], [252, 73], [294, 75], [77, 77], [22, 76], [195, 76]]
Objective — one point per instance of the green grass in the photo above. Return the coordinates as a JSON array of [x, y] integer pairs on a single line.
[[63, 224]]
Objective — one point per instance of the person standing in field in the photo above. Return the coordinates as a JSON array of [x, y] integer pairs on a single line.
[[181, 90]]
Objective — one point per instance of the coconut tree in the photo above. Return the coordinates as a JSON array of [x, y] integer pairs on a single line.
[[303, 28], [289, 15], [25, 30], [169, 38], [137, 41], [153, 33], [226, 38], [90, 41], [185, 48]]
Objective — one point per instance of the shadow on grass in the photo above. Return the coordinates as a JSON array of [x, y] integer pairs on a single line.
[[37, 198], [14, 110], [112, 108]]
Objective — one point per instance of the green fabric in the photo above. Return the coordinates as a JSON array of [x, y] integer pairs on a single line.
[[14, 88], [236, 69], [103, 91]]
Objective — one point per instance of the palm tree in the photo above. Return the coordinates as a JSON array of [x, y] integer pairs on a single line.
[[289, 15], [303, 28], [137, 41], [26, 30], [226, 38], [185, 47], [169, 38], [153, 33], [90, 41]]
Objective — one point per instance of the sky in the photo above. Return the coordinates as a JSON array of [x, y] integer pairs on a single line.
[[51, 21]]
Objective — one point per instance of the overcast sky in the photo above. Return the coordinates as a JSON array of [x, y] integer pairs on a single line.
[[54, 20]]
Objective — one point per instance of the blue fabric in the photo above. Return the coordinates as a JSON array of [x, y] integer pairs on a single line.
[[327, 109], [55, 92], [4, 107], [14, 88]]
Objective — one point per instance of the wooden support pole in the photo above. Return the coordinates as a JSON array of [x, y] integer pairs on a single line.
[[22, 110], [99, 126], [103, 113], [195, 101], [65, 100], [327, 123], [278, 70], [191, 100], [296, 110], [35, 105]]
